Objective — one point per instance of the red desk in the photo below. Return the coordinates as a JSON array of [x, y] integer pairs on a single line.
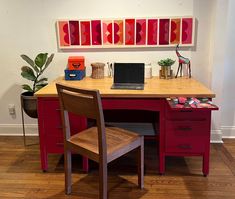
[[181, 132]]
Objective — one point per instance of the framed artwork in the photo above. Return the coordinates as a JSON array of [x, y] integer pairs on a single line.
[[85, 27], [107, 32], [152, 32], [126, 33], [118, 32]]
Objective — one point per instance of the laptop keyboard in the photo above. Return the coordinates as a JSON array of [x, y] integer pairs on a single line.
[[128, 86]]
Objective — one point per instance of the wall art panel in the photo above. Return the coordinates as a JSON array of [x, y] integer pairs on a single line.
[[140, 31], [118, 32], [74, 32], [96, 32], [152, 31], [164, 28], [187, 30], [107, 32], [175, 31], [85, 33], [130, 31], [63, 29]]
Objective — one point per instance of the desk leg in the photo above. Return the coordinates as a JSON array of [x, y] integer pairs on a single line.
[[205, 168], [161, 163], [206, 160], [44, 160]]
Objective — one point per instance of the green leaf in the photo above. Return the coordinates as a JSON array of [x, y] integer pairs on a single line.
[[27, 87], [166, 62], [49, 60], [28, 73], [40, 60], [42, 80], [30, 62], [39, 86]]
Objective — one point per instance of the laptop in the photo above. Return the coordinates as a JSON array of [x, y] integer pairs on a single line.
[[129, 76]]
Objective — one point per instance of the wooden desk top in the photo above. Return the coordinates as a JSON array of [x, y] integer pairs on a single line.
[[153, 88]]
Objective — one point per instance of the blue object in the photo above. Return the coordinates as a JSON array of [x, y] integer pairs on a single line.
[[74, 74]]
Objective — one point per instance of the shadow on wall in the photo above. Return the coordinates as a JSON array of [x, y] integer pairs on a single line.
[[12, 97]]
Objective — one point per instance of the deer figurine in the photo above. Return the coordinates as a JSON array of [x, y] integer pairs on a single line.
[[182, 60]]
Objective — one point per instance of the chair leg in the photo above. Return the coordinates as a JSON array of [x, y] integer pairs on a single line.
[[103, 190], [68, 171], [141, 164]]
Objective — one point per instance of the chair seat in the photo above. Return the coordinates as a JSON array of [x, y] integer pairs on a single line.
[[116, 140]]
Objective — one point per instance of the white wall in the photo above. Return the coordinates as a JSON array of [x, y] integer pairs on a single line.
[[228, 94], [28, 26]]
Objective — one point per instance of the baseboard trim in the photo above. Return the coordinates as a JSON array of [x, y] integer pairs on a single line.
[[228, 131], [32, 130], [17, 130], [216, 136]]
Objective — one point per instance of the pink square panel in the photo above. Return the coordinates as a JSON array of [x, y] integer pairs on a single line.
[[96, 32], [175, 31], [187, 30], [118, 32], [85, 33], [140, 31], [164, 26], [130, 31], [152, 31], [107, 32], [74, 32], [64, 33]]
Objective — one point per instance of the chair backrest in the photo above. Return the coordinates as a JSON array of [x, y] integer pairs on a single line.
[[84, 103]]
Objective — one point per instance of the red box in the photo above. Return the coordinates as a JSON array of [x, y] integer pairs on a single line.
[[76, 63]]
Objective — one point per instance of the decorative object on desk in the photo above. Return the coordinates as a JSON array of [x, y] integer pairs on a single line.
[[76, 63], [33, 73], [182, 60], [97, 70], [76, 68], [191, 102], [125, 32], [166, 71], [148, 71], [110, 69]]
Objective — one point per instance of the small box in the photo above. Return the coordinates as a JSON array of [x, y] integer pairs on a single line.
[[74, 74], [76, 63]]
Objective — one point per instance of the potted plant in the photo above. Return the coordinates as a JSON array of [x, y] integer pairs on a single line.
[[33, 73], [166, 64]]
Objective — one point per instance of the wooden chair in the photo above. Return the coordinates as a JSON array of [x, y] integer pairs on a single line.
[[101, 144]]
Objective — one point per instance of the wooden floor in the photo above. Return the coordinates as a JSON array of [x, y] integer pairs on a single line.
[[21, 177]]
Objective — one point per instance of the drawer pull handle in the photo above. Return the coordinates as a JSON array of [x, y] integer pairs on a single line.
[[184, 146], [57, 109], [59, 127], [185, 128], [186, 111]]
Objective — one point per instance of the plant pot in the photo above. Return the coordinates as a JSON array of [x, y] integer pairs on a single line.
[[29, 104]]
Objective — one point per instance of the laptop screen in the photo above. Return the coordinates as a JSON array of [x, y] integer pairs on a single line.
[[129, 73]]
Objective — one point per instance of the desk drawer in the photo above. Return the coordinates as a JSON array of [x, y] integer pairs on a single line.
[[55, 144], [187, 128], [185, 136], [190, 115], [52, 119]]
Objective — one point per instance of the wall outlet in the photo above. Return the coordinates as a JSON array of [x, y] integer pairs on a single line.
[[11, 109]]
